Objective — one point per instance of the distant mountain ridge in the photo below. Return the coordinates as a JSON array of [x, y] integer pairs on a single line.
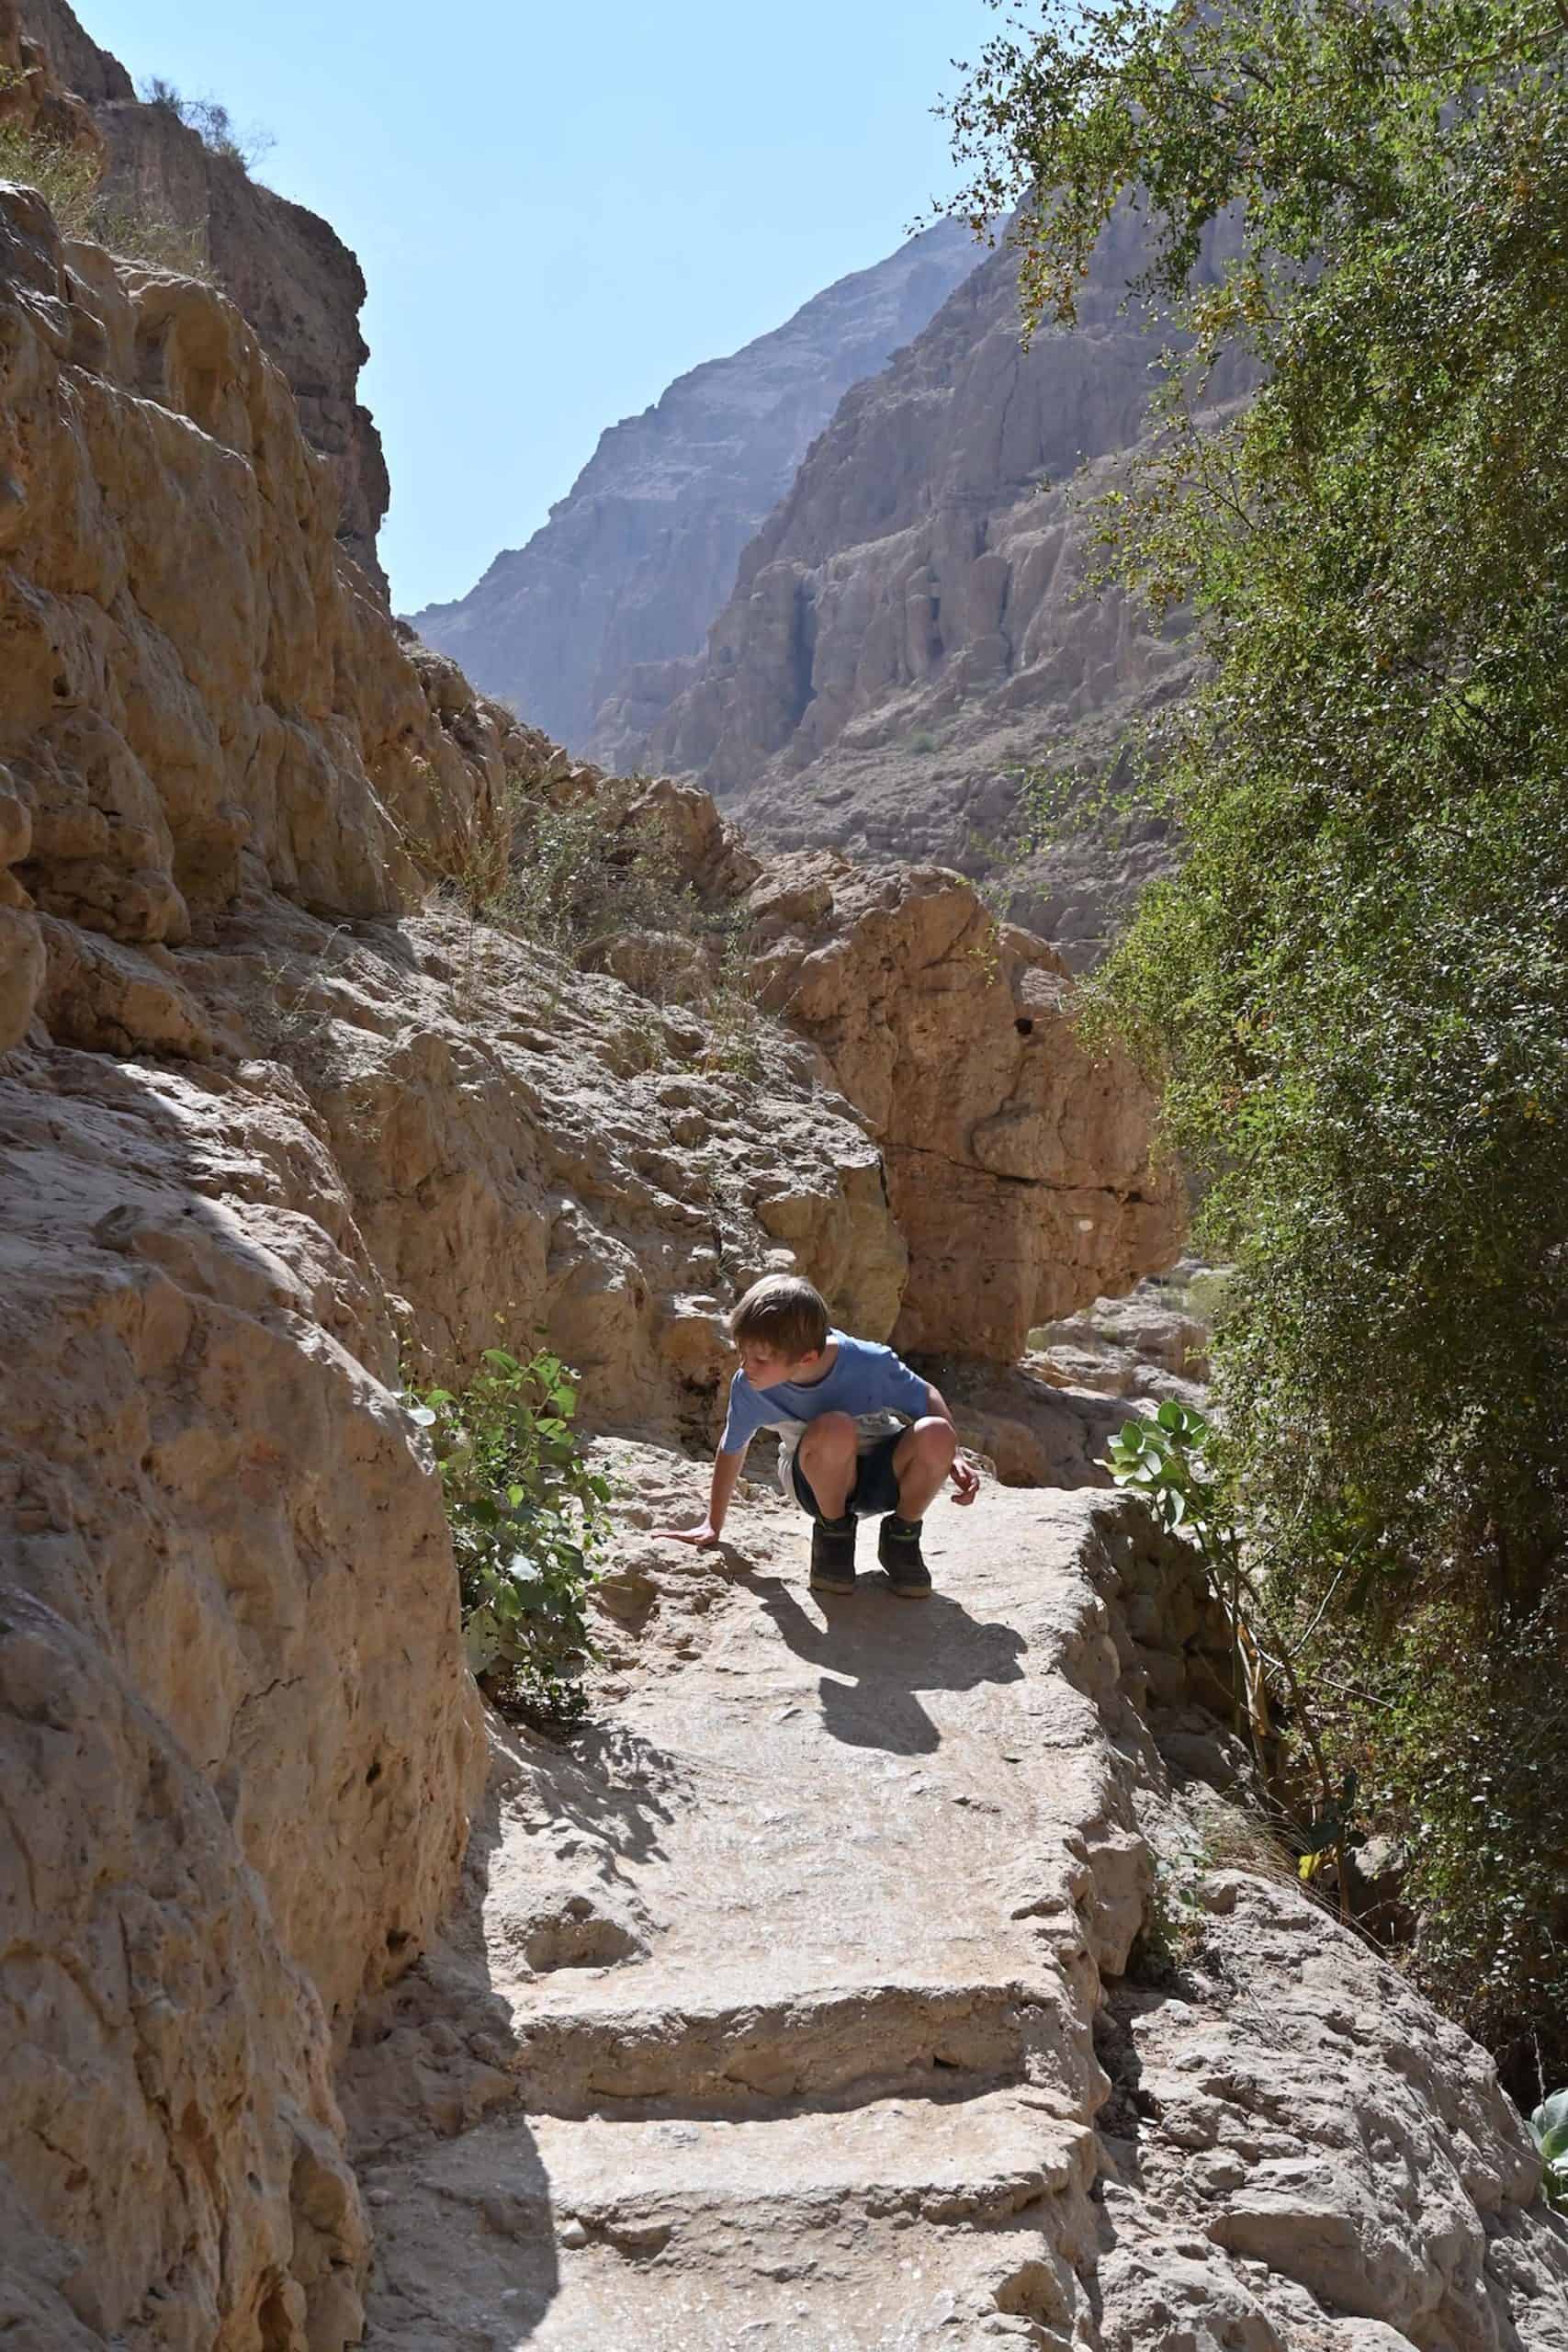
[[637, 560], [910, 627]]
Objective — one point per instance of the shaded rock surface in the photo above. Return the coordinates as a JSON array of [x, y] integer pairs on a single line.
[[1151, 1344], [840, 1889], [1018, 1168], [638, 557]]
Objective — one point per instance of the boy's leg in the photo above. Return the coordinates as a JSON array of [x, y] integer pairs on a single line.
[[919, 1464], [826, 1454], [824, 1475], [921, 1460]]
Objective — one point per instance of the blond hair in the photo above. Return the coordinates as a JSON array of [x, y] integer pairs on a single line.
[[784, 1313]]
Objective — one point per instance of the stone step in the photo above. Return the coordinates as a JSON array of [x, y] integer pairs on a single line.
[[586, 2047], [899, 2223]]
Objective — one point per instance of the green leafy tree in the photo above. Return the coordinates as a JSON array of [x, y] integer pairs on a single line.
[[1354, 992]]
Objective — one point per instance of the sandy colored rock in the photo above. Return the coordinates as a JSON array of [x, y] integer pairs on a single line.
[[1018, 1169], [167, 2109], [289, 273], [197, 689], [769, 2004], [524, 1144]]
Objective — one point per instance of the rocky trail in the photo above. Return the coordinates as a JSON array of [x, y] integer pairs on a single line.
[[770, 2016]]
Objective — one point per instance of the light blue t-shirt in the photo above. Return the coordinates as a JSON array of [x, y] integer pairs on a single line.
[[867, 1381]]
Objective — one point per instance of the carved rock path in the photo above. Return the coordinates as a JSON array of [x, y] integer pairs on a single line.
[[770, 2016]]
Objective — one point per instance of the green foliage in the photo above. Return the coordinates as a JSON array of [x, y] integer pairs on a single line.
[[527, 1517], [1353, 993], [1165, 1461], [731, 1009], [1174, 1918], [1548, 2129], [580, 872]]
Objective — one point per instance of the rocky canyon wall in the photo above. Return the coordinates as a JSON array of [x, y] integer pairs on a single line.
[[638, 557], [291, 1119], [289, 273], [278, 1130]]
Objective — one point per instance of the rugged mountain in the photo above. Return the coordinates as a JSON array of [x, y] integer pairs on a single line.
[[908, 626], [637, 558], [291, 275]]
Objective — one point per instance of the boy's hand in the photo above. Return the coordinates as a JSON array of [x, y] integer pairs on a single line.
[[703, 1538], [965, 1480]]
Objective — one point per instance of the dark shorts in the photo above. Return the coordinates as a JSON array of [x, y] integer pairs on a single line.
[[876, 1489]]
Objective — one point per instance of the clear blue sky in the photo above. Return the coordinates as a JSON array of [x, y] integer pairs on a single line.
[[559, 207]]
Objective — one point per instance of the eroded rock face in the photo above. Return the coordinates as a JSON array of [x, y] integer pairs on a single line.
[[1018, 1169], [252, 1152], [196, 692], [913, 625], [171, 2167], [638, 557], [290, 274]]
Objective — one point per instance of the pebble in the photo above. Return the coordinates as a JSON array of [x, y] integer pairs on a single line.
[[572, 2233]]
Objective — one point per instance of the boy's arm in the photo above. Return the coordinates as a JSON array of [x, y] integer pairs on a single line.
[[726, 1470], [965, 1479]]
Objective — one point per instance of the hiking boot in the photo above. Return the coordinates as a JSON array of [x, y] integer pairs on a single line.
[[833, 1554], [898, 1549]]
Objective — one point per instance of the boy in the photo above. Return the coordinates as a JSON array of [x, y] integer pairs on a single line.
[[859, 1434]]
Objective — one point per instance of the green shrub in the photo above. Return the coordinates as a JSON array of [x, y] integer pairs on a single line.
[[1548, 2129], [1175, 1464], [731, 1009], [528, 1519], [579, 875]]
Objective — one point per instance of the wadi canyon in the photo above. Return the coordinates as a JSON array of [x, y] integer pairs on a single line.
[[811, 1991]]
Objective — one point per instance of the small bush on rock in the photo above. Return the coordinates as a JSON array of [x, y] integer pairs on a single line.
[[579, 876], [212, 122], [64, 176], [1548, 2129], [69, 178], [528, 1518]]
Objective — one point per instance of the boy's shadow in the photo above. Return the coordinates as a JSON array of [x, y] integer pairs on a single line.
[[879, 1652]]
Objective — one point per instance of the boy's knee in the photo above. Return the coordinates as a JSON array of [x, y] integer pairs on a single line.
[[830, 1434], [938, 1440]]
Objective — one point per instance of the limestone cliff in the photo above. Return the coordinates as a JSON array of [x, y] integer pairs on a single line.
[[910, 625], [638, 557], [290, 274]]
